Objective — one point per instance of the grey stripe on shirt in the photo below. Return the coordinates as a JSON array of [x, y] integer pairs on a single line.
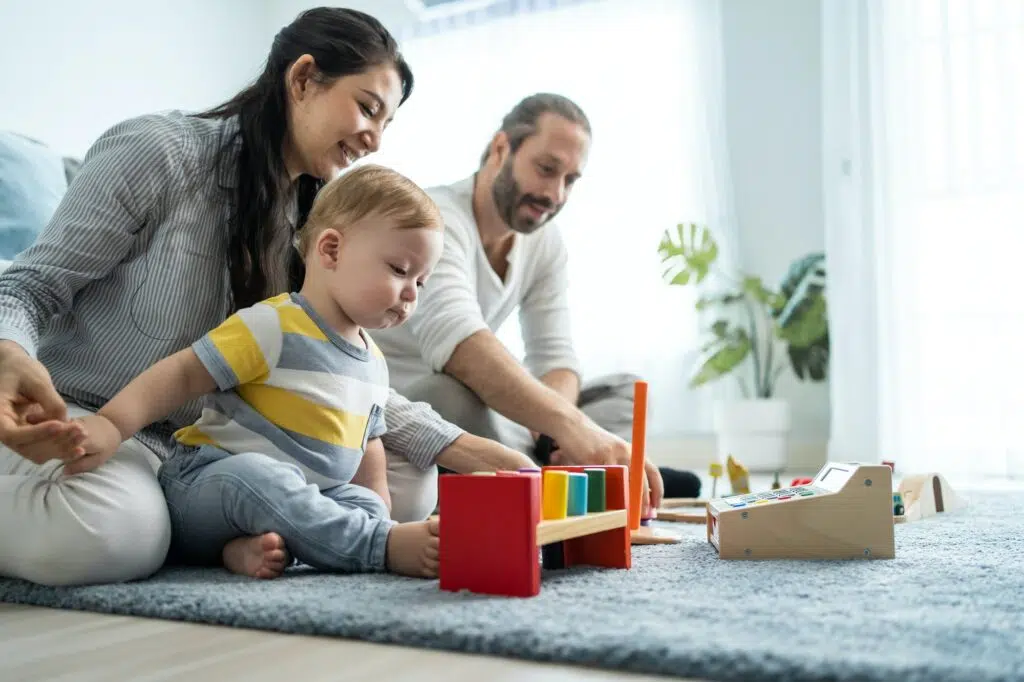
[[133, 267]]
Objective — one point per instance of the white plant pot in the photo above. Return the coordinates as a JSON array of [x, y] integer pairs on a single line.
[[754, 432]]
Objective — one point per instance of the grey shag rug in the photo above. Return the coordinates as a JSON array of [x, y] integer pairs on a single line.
[[949, 607]]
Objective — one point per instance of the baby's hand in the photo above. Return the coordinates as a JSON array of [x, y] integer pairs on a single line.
[[65, 440], [101, 440]]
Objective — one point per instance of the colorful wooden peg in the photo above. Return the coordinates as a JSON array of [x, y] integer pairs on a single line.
[[636, 461], [577, 504], [556, 493], [595, 490], [715, 471]]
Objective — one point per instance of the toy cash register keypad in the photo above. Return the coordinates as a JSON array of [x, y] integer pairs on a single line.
[[771, 496]]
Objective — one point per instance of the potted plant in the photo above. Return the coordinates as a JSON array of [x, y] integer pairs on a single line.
[[754, 334]]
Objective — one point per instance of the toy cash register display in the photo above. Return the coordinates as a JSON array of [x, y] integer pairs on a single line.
[[845, 512]]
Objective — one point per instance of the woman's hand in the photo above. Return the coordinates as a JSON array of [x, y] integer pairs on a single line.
[[101, 439], [33, 417]]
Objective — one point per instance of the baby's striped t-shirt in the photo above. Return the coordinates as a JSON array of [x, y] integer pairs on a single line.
[[291, 388]]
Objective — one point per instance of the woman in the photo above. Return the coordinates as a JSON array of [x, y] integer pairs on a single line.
[[174, 222]]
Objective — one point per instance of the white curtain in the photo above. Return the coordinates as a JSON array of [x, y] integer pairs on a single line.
[[924, 158], [648, 75]]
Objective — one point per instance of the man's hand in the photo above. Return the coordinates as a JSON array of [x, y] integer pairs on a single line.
[[587, 443], [102, 439], [656, 485], [584, 442]]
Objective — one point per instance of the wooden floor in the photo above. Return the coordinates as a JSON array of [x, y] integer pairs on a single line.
[[49, 644]]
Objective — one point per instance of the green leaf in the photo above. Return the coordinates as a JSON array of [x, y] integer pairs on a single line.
[[722, 360], [805, 281], [811, 362], [756, 289], [682, 277], [720, 329], [691, 250], [706, 302], [810, 266], [808, 324]]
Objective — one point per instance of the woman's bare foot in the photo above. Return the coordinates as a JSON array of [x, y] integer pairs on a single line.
[[414, 549], [259, 556]]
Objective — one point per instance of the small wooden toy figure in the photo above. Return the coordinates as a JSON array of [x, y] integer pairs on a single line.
[[715, 471], [775, 484], [928, 494], [738, 476]]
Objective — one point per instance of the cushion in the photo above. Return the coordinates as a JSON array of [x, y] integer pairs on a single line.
[[32, 181]]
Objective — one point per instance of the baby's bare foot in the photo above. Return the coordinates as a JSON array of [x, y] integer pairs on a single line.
[[260, 556], [414, 549]]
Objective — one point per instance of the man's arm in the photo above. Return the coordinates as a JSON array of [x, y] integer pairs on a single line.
[[483, 364], [565, 383]]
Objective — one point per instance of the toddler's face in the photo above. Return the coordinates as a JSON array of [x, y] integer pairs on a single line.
[[380, 270]]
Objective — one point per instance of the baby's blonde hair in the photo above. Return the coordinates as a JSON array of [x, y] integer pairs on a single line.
[[366, 190]]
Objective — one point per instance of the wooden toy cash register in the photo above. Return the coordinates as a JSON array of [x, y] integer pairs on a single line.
[[845, 512]]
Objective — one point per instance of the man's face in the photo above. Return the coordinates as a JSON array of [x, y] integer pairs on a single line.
[[534, 183]]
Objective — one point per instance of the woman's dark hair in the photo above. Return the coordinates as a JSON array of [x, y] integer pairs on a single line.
[[342, 42]]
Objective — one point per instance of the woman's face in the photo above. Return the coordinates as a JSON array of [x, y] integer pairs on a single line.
[[333, 124]]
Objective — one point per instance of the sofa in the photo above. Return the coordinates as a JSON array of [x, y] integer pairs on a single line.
[[33, 178]]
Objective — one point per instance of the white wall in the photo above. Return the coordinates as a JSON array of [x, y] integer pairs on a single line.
[[71, 69], [773, 109]]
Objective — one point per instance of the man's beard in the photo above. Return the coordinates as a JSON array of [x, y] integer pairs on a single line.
[[508, 198]]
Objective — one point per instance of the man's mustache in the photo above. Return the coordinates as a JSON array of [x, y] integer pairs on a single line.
[[539, 202]]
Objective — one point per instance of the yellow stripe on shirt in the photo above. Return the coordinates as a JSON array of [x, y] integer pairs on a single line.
[[289, 411], [192, 435], [240, 349], [295, 320]]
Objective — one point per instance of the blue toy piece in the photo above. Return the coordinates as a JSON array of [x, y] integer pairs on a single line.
[[577, 503]]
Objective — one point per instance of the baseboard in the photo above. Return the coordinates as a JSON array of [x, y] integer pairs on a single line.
[[696, 452]]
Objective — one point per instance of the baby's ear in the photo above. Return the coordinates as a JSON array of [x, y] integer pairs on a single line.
[[328, 246]]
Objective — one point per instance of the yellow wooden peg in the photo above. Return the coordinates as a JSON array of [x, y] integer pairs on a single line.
[[555, 493], [715, 471]]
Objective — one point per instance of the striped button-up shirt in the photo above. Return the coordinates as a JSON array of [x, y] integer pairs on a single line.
[[133, 267]]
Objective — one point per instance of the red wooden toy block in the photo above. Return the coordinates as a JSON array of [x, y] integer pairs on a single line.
[[489, 534]]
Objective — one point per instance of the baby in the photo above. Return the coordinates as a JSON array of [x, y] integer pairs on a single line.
[[286, 459]]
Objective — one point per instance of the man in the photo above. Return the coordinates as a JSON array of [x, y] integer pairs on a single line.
[[501, 253]]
